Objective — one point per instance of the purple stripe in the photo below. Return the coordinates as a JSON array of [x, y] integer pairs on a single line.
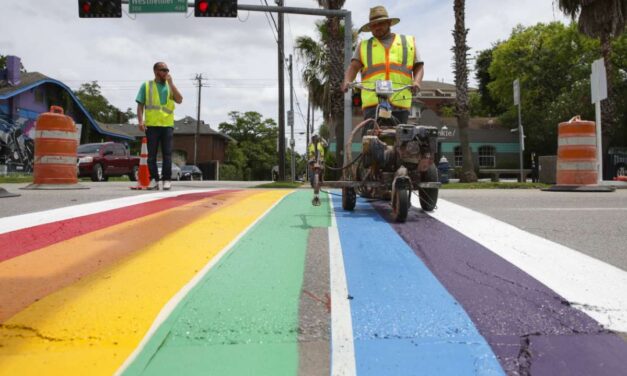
[[530, 328]]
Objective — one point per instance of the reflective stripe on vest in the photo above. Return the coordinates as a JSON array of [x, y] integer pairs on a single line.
[[394, 64], [157, 115]]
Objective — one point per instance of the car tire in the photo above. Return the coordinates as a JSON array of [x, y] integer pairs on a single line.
[[134, 173], [97, 173]]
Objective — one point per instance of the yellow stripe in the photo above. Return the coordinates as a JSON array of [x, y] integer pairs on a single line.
[[91, 327]]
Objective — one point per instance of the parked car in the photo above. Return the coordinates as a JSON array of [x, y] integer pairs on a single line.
[[176, 170], [103, 160], [191, 172]]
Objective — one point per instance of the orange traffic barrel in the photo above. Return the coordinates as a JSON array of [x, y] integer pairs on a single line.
[[577, 153], [56, 147]]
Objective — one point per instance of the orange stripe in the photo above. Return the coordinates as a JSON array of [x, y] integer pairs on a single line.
[[32, 276]]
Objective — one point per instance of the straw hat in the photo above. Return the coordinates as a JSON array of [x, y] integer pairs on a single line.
[[378, 14]]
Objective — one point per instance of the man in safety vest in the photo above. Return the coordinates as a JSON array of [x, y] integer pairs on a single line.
[[385, 56], [155, 113], [316, 143]]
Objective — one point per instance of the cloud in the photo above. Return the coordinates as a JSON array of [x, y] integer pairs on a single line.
[[237, 56]]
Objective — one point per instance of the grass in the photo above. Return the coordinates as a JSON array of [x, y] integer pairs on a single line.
[[16, 178], [495, 185], [280, 184]]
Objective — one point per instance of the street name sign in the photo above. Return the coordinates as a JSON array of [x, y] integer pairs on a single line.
[[157, 6]]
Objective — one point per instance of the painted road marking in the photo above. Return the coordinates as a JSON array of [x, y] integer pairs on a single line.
[[181, 294], [34, 275], [18, 222], [594, 287], [404, 320], [92, 326], [342, 346], [242, 318], [530, 328], [19, 242]]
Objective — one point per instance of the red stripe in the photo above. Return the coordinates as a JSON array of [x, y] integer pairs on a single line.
[[19, 242]]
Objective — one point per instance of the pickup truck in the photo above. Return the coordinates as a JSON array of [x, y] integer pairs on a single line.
[[102, 160]]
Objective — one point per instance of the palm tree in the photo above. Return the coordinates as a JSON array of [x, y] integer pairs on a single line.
[[335, 45], [605, 20], [461, 82], [314, 56]]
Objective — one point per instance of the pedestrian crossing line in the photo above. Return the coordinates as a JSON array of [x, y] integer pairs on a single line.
[[92, 326], [581, 279]]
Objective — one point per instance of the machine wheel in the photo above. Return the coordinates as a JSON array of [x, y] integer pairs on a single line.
[[134, 173], [429, 196], [98, 173], [349, 198], [400, 206]]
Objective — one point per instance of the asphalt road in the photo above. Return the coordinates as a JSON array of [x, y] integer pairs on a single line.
[[592, 223]]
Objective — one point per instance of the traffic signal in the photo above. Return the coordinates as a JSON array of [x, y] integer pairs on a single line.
[[215, 8], [100, 8]]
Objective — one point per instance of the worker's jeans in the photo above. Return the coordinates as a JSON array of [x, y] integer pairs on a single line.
[[160, 136]]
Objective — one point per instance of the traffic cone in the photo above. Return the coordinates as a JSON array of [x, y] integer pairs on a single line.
[[143, 180]]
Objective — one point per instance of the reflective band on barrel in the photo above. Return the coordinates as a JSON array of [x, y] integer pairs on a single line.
[[55, 159], [576, 166], [563, 141], [63, 135]]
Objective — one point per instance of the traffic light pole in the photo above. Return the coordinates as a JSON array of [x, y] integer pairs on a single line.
[[281, 63]]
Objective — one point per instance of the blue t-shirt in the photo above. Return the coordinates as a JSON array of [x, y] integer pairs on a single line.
[[162, 89]]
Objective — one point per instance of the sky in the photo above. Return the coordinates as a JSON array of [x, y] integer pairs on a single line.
[[236, 56]]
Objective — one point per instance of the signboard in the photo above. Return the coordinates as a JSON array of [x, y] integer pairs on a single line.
[[157, 6], [516, 92], [290, 118], [598, 81]]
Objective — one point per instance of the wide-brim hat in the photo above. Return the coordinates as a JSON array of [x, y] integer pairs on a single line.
[[378, 14]]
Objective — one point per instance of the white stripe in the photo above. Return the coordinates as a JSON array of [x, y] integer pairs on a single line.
[[22, 221], [576, 166], [571, 209], [564, 141], [180, 295], [55, 159], [590, 285], [143, 161], [56, 134], [342, 346]]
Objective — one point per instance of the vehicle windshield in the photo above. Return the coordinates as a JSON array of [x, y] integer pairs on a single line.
[[89, 148]]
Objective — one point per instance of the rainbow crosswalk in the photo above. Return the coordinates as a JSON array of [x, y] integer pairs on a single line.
[[243, 282]]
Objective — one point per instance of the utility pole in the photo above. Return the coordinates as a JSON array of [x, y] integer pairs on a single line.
[[281, 94], [290, 120], [307, 134], [199, 79]]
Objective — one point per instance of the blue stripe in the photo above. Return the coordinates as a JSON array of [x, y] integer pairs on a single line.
[[404, 320]]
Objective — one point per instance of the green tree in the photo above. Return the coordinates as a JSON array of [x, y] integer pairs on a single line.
[[483, 104], [462, 110], [99, 107], [552, 62], [255, 153], [604, 20], [335, 63]]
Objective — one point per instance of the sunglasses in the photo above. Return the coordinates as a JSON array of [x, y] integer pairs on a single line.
[[163, 70]]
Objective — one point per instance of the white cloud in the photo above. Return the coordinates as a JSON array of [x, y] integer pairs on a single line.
[[119, 53]]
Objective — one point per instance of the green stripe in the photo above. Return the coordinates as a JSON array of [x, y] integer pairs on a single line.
[[242, 318]]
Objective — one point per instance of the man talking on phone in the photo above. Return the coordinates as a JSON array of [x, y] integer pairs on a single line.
[[155, 113]]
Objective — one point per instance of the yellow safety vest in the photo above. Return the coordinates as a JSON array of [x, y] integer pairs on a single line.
[[312, 150], [155, 114], [395, 64]]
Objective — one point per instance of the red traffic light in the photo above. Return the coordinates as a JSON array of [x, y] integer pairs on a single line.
[[100, 8], [203, 6]]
